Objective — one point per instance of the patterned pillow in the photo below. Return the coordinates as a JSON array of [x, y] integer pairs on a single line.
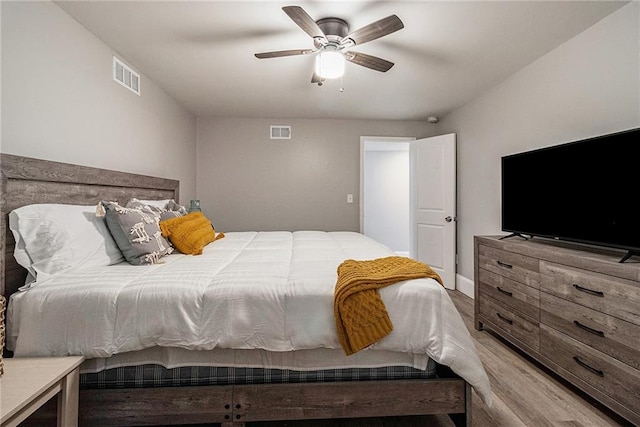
[[173, 206], [166, 209], [136, 232], [162, 204]]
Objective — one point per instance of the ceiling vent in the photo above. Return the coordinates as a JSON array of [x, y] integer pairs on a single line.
[[126, 76], [280, 132]]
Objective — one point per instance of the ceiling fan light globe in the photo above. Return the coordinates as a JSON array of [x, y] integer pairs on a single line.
[[330, 64]]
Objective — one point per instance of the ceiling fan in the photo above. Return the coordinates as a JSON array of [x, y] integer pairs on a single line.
[[333, 42]]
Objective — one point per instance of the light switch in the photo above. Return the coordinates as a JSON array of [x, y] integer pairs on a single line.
[[349, 198]]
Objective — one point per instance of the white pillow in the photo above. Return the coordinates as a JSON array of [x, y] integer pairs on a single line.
[[51, 238]]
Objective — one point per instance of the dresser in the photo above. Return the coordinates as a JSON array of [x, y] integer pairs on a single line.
[[575, 309]]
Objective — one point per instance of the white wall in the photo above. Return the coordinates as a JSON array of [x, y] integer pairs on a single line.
[[586, 87], [59, 102], [248, 182], [386, 194]]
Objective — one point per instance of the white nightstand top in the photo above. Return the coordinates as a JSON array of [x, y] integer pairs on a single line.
[[25, 379]]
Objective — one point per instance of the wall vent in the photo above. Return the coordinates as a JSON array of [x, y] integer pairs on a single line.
[[124, 75], [280, 132]]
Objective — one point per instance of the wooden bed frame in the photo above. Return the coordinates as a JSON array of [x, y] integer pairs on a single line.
[[26, 181]]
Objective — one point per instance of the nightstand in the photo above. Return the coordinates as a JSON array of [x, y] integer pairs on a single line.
[[29, 382]]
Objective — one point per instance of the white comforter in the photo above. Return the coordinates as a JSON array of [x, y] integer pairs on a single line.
[[264, 290]]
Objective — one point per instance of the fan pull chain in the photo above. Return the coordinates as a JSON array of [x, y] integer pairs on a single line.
[[342, 83]]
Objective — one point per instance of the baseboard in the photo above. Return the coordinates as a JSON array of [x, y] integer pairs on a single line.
[[465, 285]]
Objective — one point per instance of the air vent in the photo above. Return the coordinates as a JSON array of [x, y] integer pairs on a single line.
[[126, 76], [280, 132]]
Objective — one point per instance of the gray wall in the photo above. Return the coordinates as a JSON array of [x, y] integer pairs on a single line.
[[586, 87], [59, 102], [248, 182]]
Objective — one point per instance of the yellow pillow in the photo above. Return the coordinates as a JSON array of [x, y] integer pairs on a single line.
[[190, 233]]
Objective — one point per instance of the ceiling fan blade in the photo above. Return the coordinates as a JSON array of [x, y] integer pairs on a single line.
[[369, 61], [304, 21], [373, 31], [281, 53]]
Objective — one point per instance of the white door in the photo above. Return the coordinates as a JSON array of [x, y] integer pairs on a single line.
[[433, 204]]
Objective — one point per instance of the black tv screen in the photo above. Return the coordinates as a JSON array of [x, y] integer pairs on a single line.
[[584, 191]]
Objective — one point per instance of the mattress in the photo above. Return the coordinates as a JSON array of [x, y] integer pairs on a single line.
[[142, 376], [270, 291]]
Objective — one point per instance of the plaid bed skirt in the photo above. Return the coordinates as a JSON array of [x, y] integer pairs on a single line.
[[159, 376]]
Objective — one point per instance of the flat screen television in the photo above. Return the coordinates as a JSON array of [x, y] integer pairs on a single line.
[[583, 191]]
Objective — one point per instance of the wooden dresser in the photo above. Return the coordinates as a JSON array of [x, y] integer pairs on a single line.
[[574, 309]]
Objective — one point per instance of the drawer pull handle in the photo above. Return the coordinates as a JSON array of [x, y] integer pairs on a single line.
[[504, 319], [588, 329], [589, 291], [504, 264], [598, 372], [505, 292]]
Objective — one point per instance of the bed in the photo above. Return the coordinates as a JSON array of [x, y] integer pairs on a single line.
[[254, 373]]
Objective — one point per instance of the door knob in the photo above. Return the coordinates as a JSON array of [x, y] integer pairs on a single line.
[[448, 219]]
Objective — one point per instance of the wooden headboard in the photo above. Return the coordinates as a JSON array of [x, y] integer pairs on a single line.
[[26, 181]]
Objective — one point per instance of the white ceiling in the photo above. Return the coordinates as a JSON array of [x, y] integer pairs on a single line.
[[201, 52]]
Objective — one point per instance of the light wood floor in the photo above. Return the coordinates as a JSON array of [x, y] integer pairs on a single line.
[[523, 393]]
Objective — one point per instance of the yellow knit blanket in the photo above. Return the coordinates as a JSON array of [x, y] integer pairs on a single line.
[[361, 316]]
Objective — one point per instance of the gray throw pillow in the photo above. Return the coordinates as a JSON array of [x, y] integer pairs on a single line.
[[137, 233], [174, 207], [170, 210]]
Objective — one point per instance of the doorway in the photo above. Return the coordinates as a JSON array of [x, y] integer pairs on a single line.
[[429, 204], [385, 188]]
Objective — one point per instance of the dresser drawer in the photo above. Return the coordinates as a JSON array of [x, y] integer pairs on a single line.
[[520, 327], [610, 335], [515, 295], [617, 297], [513, 266], [605, 373]]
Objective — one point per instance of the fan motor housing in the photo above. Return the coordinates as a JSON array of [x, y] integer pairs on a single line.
[[333, 27]]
